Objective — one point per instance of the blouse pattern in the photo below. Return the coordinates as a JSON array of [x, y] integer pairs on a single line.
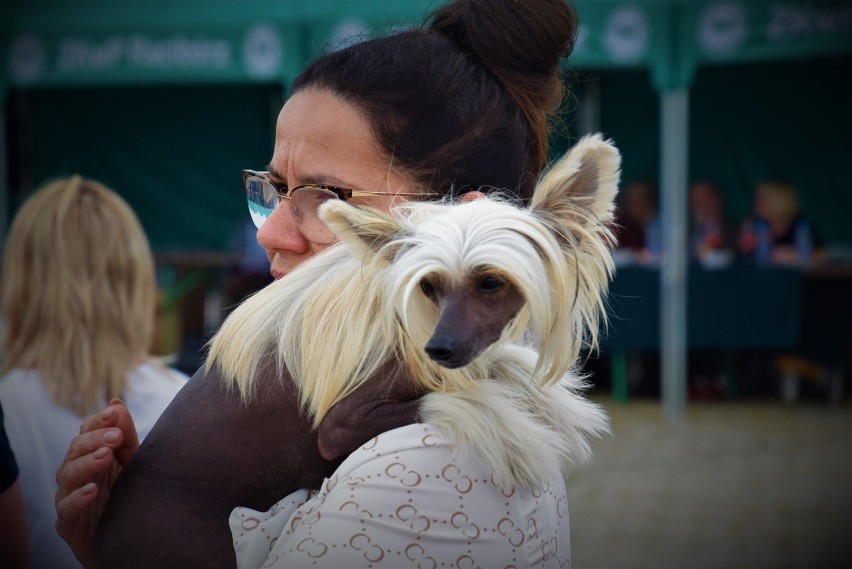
[[409, 498]]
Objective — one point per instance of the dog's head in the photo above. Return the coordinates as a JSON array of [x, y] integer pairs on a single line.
[[464, 276]]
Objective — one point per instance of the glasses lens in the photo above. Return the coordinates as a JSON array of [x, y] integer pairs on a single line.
[[262, 199], [306, 203]]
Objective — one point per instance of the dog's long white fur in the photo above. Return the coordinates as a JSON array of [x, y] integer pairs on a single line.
[[337, 318]]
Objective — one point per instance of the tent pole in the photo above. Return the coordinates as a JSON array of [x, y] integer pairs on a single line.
[[673, 317], [590, 108]]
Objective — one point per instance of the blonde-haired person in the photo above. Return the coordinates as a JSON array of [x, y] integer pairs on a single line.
[[778, 233], [78, 308]]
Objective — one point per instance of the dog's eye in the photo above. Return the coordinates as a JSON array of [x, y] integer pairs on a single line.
[[427, 288], [490, 284]]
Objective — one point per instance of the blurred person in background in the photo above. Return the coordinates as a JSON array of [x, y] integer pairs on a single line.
[[712, 237], [455, 107], [778, 233], [13, 524], [638, 225], [79, 310], [712, 240]]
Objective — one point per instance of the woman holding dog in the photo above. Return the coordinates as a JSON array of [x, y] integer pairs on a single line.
[[458, 107]]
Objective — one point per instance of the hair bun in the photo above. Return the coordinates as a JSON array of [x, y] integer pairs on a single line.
[[519, 41]]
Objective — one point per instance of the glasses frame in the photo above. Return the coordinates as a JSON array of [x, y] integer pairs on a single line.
[[284, 192], [344, 194]]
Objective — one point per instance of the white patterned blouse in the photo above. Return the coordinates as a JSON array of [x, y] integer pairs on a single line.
[[409, 498]]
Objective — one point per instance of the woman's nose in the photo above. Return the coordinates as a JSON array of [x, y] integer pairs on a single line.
[[280, 232]]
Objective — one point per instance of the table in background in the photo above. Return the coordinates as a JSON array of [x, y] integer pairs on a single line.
[[740, 307]]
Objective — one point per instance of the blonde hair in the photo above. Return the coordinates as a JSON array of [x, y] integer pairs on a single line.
[[781, 198], [78, 292]]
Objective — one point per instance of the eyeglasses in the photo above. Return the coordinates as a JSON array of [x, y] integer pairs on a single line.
[[264, 195]]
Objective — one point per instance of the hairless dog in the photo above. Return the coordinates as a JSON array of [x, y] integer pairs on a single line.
[[211, 452]]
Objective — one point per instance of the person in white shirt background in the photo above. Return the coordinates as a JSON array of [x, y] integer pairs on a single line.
[[78, 310]]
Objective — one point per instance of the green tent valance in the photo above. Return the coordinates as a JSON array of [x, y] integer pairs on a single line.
[[674, 37], [95, 42], [160, 42]]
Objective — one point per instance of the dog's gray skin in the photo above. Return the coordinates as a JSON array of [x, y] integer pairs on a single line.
[[471, 316], [211, 452]]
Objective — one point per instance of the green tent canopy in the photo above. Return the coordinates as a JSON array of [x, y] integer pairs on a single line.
[[120, 42], [93, 70]]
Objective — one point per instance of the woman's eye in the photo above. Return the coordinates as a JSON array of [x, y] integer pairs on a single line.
[[490, 284], [427, 288]]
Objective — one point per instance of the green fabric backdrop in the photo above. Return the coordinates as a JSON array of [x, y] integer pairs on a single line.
[[787, 120], [178, 148], [175, 153]]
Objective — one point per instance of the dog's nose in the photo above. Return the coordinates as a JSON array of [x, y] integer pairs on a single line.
[[441, 347]]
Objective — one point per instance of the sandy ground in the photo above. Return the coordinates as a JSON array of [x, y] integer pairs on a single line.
[[735, 485]]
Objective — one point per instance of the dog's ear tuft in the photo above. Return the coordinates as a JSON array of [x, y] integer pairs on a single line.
[[366, 230], [580, 187]]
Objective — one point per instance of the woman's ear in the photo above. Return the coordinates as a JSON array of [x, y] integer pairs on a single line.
[[472, 195]]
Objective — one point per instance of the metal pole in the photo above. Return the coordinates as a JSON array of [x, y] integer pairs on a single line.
[[673, 317], [590, 108]]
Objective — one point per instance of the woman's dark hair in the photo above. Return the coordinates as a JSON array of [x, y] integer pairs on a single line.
[[462, 103]]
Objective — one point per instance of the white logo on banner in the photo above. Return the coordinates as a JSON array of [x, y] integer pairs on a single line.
[[793, 22], [263, 51], [627, 35], [348, 32], [722, 28], [27, 58]]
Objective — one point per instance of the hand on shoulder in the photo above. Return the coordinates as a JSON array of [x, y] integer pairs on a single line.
[[107, 441]]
